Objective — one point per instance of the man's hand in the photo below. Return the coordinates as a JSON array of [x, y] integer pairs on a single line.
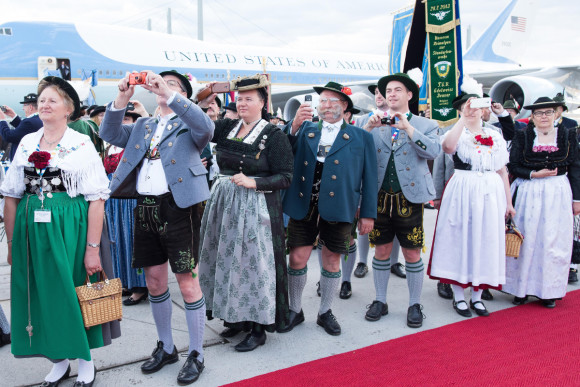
[[437, 204], [544, 173], [365, 225], [304, 113], [497, 108], [403, 124], [125, 93], [204, 161], [139, 108], [156, 84], [9, 112], [373, 122]]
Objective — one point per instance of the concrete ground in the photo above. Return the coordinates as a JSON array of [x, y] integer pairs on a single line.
[[119, 363]]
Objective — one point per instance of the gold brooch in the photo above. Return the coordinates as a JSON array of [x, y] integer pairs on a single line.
[[345, 136]]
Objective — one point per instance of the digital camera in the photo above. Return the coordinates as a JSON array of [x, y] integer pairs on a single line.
[[137, 78]]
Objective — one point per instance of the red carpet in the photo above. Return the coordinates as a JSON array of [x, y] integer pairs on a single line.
[[527, 345]]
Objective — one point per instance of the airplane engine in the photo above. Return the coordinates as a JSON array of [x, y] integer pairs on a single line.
[[524, 89]]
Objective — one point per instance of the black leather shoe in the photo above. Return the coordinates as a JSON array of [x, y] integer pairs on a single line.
[[4, 339], [486, 295], [55, 384], [520, 300], [130, 301], [230, 332], [376, 310], [398, 270], [89, 384], [572, 276], [251, 342], [318, 291], [361, 270], [549, 303], [444, 291], [158, 359], [345, 290], [329, 323], [295, 319], [126, 292], [191, 370], [415, 316], [480, 312], [461, 312]]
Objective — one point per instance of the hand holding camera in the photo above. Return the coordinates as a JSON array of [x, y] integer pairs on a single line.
[[304, 113]]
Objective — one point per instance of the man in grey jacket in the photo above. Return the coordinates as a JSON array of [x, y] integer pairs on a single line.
[[404, 184], [161, 166]]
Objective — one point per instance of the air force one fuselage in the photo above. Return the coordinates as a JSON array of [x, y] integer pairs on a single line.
[[32, 50]]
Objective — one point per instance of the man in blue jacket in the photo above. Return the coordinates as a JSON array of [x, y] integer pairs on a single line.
[[22, 127], [162, 168], [335, 174]]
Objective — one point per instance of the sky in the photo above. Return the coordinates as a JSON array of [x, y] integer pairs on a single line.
[[361, 26]]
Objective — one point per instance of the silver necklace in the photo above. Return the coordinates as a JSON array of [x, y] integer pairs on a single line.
[[53, 142]]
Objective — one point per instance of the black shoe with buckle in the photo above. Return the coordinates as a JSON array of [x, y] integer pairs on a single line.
[[56, 383], [486, 295], [444, 291], [131, 301], [329, 323], [462, 312], [480, 312], [159, 358], [293, 320], [361, 270], [398, 270], [415, 316], [318, 291], [345, 290], [520, 300], [86, 384], [191, 369], [251, 342], [376, 310], [572, 276]]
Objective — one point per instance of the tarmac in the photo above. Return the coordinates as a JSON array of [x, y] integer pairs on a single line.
[[119, 363]]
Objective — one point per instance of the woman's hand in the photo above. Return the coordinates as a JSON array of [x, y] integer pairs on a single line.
[[510, 211], [9, 258], [242, 180], [576, 208], [92, 260], [544, 173]]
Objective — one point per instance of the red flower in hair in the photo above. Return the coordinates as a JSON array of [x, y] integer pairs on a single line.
[[40, 159], [484, 140], [346, 90]]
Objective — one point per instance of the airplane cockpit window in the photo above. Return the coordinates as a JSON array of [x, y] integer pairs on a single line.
[[6, 31]]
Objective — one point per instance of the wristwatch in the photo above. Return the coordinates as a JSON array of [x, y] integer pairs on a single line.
[[94, 244]]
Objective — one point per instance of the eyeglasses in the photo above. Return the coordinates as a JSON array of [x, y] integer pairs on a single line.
[[175, 84], [547, 113], [331, 100]]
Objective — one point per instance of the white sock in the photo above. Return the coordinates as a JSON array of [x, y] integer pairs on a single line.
[[458, 295], [476, 296], [58, 370], [86, 371]]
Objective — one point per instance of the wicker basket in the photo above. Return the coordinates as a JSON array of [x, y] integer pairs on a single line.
[[100, 302], [513, 239]]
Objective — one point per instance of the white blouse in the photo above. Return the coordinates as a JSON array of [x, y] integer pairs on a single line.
[[81, 167]]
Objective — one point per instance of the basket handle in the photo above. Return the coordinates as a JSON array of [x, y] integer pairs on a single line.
[[102, 277]]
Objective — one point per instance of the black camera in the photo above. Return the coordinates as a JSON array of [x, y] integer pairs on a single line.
[[315, 119], [388, 121]]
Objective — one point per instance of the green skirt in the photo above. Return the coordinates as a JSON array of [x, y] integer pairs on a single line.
[[55, 267]]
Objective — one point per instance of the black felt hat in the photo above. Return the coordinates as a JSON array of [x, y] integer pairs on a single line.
[[97, 110], [337, 88], [405, 79], [69, 90], [232, 107], [372, 88], [353, 110], [183, 78], [30, 98], [543, 102]]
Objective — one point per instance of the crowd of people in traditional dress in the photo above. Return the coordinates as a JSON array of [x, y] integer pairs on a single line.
[[237, 221]]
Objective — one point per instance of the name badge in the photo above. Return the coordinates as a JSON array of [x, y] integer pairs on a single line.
[[42, 216]]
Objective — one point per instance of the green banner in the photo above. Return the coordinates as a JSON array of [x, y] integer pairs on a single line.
[[442, 51]]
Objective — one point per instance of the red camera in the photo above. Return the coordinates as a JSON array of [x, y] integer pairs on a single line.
[[137, 78]]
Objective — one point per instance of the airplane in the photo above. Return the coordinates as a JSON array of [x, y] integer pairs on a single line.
[[32, 50]]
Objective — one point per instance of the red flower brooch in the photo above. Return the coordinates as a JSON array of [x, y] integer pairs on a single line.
[[346, 90], [40, 159], [484, 139]]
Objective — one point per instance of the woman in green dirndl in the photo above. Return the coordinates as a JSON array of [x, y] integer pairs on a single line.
[[55, 191]]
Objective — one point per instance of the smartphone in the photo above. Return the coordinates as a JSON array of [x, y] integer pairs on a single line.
[[308, 98], [220, 87], [3, 108], [481, 103]]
